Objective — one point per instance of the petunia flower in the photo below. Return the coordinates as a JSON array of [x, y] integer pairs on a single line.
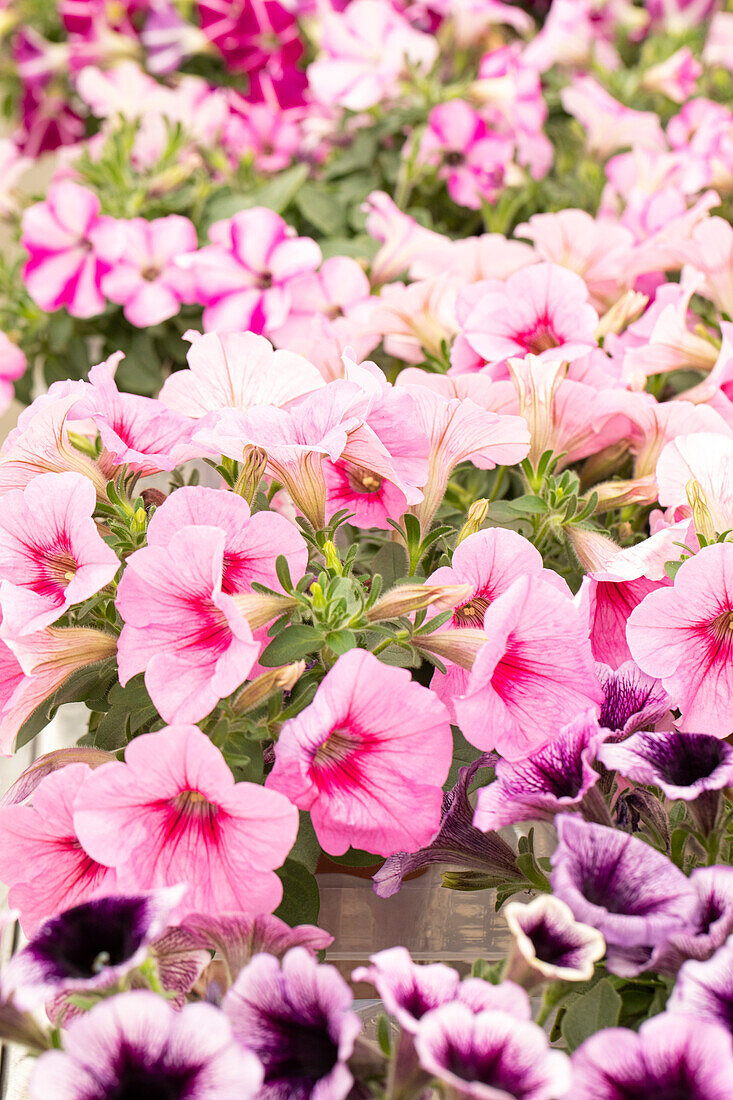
[[557, 779], [683, 765], [710, 927], [88, 947], [296, 1017], [684, 636], [632, 700], [172, 813], [613, 881], [367, 758], [490, 1055], [41, 857], [51, 553], [667, 1057], [186, 634], [533, 675], [236, 370], [549, 945], [473, 159], [136, 1044], [704, 990]]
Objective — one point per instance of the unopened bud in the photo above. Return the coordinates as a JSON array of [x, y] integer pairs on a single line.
[[618, 493], [704, 523], [276, 679], [258, 608], [459, 646], [414, 597], [153, 498], [139, 520], [331, 554], [477, 515], [594, 551], [254, 462], [629, 306]]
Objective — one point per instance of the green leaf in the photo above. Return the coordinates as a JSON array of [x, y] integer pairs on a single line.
[[341, 641], [277, 194], [291, 644], [322, 208], [301, 900], [590, 1013], [306, 849], [390, 562], [355, 857], [90, 680], [529, 505]]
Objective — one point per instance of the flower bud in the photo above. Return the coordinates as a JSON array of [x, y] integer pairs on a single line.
[[276, 679], [459, 646], [477, 515], [594, 551], [414, 597], [704, 523], [254, 462], [258, 608]]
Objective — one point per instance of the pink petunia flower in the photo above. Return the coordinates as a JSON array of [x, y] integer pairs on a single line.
[[41, 857], [12, 365], [243, 277], [676, 77], [236, 370], [181, 629], [472, 159], [534, 674], [609, 124], [683, 635], [172, 813], [367, 758], [143, 275], [541, 310], [51, 554], [62, 267]]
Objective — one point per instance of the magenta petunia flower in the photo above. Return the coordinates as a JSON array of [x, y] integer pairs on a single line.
[[684, 636], [243, 277], [367, 758], [51, 554], [172, 813], [470, 157], [136, 1044], [62, 267], [534, 674], [181, 629], [42, 859]]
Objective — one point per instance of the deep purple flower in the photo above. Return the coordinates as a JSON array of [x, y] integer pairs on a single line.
[[553, 780], [491, 1055], [705, 989], [136, 1045], [630, 892], [457, 842], [711, 925], [90, 946], [409, 991], [633, 701], [296, 1017], [549, 944], [683, 765], [668, 1059]]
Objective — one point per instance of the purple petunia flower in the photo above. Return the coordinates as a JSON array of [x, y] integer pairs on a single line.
[[549, 944], [705, 989], [90, 946], [136, 1045], [555, 779], [668, 1059], [457, 842], [630, 892], [711, 925], [633, 701], [491, 1055], [296, 1017], [683, 765], [409, 991]]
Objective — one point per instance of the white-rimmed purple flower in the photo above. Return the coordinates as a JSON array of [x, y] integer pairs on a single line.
[[558, 778], [668, 1059], [491, 1055], [409, 991], [136, 1045], [458, 842], [683, 765], [88, 947], [633, 701], [630, 892], [705, 989], [549, 943], [296, 1016], [711, 925]]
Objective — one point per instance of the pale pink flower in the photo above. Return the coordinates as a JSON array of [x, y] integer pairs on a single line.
[[264, 132], [172, 813], [577, 32], [542, 310], [143, 274], [719, 42], [181, 629], [473, 159], [243, 277], [51, 554], [252, 542], [367, 758], [236, 370], [405, 243], [710, 251], [533, 675], [608, 124], [364, 55], [670, 341], [13, 165], [12, 365], [699, 466], [683, 636], [34, 666], [41, 857], [676, 77], [416, 319], [124, 89], [653, 424], [62, 267]]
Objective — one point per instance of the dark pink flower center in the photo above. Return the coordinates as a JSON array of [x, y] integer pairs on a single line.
[[55, 565], [191, 810], [541, 337], [720, 630], [336, 761]]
